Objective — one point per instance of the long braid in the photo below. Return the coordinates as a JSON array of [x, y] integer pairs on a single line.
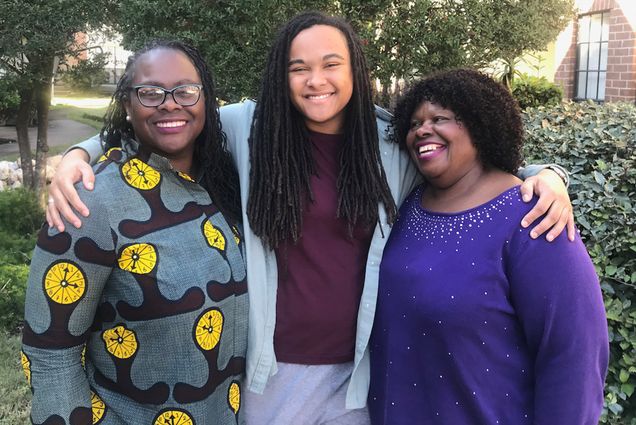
[[219, 175], [280, 152]]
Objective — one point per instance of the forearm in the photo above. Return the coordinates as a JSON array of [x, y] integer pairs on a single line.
[[534, 169], [59, 384], [92, 147]]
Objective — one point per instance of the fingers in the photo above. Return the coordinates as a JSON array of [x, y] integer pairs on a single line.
[[60, 206], [527, 189], [53, 217], [540, 208], [88, 177], [556, 228], [570, 226]]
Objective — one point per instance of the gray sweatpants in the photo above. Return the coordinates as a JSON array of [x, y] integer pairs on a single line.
[[304, 395]]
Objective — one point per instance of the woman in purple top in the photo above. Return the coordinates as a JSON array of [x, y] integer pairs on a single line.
[[476, 322]]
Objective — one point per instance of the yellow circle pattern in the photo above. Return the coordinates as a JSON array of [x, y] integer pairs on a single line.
[[214, 236], [120, 342], [98, 407], [107, 154], [209, 328], [173, 417], [234, 397], [26, 366], [64, 283], [140, 175], [138, 258]]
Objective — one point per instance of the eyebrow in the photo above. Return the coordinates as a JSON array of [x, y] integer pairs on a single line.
[[324, 58], [158, 84]]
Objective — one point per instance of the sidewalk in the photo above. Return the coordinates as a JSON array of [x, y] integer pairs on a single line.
[[62, 132]]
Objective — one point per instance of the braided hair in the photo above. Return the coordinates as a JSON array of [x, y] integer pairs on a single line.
[[280, 152], [219, 175]]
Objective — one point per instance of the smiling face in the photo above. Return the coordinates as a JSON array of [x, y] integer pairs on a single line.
[[441, 146], [170, 129], [320, 77]]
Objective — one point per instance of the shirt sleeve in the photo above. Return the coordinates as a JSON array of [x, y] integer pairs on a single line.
[[93, 147], [534, 169], [557, 297], [67, 276]]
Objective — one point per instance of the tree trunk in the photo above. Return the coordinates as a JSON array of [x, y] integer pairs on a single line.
[[22, 128], [43, 103]]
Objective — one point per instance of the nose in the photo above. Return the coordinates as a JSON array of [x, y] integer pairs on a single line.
[[424, 128], [169, 104], [315, 78]]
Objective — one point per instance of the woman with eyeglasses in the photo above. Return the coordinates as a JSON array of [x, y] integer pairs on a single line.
[[319, 185], [140, 315]]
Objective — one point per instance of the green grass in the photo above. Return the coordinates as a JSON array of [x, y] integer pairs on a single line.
[[15, 395], [88, 116]]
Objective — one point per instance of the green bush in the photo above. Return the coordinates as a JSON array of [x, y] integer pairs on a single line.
[[597, 143], [20, 213], [534, 91], [87, 74], [13, 280], [20, 219], [9, 98]]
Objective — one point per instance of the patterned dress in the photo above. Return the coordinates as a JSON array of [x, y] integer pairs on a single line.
[[140, 316]]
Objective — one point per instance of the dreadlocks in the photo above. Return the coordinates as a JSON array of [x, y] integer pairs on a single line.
[[280, 153], [219, 175]]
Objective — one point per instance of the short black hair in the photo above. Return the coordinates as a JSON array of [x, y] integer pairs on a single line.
[[487, 109], [219, 175]]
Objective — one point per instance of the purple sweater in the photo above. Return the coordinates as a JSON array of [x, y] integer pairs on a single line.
[[479, 324]]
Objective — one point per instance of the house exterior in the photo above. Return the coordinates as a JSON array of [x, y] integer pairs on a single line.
[[595, 57]]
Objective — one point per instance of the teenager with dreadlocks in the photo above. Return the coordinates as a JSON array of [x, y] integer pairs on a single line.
[[319, 199], [140, 316]]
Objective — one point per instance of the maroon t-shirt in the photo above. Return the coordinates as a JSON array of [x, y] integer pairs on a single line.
[[320, 278]]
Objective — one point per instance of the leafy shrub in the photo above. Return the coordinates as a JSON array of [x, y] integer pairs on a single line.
[[20, 219], [597, 143], [87, 74], [9, 98], [20, 213], [534, 91], [13, 280]]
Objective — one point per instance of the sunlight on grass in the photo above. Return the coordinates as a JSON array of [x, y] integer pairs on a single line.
[[82, 102]]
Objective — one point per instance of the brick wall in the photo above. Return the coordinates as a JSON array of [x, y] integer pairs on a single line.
[[621, 56]]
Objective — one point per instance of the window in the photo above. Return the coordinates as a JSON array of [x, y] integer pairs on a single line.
[[591, 64]]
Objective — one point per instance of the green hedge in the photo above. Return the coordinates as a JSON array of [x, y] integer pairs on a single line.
[[597, 143], [20, 219], [536, 91]]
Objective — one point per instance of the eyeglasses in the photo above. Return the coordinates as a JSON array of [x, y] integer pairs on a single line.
[[154, 96]]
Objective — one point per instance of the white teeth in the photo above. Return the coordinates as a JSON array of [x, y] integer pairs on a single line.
[[428, 148], [170, 124], [322, 96]]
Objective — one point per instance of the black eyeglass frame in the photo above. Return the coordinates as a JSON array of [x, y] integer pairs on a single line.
[[167, 92]]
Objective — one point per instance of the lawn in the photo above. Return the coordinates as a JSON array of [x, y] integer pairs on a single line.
[[15, 395]]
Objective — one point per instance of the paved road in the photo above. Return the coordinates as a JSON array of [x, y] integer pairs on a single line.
[[61, 133]]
